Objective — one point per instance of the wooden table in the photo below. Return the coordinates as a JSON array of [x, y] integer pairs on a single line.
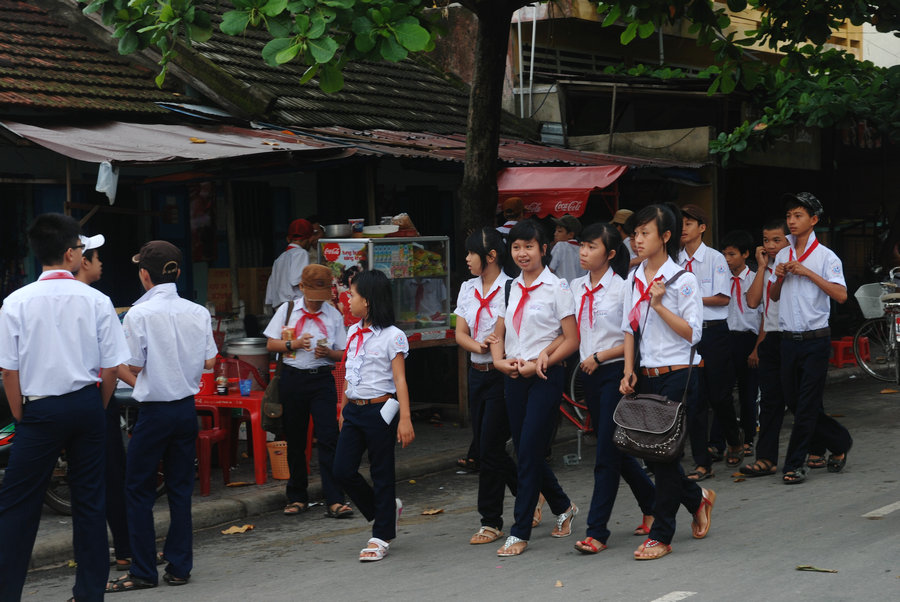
[[253, 405]]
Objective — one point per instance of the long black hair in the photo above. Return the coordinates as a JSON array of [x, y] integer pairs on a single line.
[[529, 229], [609, 235], [667, 217], [374, 287], [483, 241]]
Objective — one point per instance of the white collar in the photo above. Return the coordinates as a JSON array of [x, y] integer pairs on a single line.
[[167, 288], [699, 254], [809, 242]]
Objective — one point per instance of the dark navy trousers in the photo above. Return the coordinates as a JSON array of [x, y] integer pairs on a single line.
[[715, 380], [747, 381], [532, 404], [302, 396], [165, 431], [115, 481], [74, 422], [673, 488], [498, 471], [365, 430], [771, 397], [804, 365], [601, 396]]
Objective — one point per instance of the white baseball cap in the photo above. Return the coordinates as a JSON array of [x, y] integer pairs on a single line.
[[92, 242]]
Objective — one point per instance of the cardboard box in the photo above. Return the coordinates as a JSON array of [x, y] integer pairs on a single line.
[[251, 289]]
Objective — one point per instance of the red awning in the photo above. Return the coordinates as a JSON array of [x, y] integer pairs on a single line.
[[555, 190]]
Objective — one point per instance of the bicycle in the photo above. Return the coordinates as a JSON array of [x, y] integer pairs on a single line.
[[876, 344], [573, 408]]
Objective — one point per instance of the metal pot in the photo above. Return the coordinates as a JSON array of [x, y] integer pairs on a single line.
[[337, 230], [251, 350]]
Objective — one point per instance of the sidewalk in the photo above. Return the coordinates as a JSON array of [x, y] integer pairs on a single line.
[[436, 448]]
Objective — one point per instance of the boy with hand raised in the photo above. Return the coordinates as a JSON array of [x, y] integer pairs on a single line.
[[807, 276]]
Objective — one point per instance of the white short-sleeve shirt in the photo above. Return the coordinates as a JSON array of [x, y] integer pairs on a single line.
[[660, 345], [330, 318], [368, 372], [58, 333], [169, 338], [713, 275], [740, 316], [542, 313], [631, 251], [284, 281], [606, 331], [426, 296], [468, 306], [770, 306], [804, 306], [565, 261]]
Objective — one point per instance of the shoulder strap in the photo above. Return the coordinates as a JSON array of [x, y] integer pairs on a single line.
[[506, 289], [287, 318]]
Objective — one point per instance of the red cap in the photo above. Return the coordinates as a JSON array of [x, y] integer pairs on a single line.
[[300, 228]]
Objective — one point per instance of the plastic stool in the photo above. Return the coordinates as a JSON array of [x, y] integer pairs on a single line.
[[842, 352], [216, 433], [864, 352]]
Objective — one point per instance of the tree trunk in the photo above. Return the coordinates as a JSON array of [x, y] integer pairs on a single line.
[[478, 192]]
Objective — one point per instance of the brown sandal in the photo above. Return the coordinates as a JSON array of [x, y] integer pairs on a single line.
[[658, 548], [485, 535]]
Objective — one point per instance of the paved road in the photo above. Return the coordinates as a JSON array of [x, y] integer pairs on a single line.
[[761, 531]]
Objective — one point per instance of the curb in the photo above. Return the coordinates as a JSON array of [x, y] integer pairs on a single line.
[[844, 375], [55, 549]]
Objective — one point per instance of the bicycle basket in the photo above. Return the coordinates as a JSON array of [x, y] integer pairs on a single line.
[[869, 298]]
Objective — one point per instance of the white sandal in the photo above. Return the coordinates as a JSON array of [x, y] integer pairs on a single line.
[[507, 550], [568, 515], [379, 552]]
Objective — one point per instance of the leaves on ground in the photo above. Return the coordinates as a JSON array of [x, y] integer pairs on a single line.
[[558, 583], [239, 484], [432, 511], [885, 391], [814, 569], [235, 529]]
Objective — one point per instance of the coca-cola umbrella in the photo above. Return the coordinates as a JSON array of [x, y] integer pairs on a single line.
[[555, 190]]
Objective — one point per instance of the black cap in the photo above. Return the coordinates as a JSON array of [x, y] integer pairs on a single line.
[[159, 257], [807, 200]]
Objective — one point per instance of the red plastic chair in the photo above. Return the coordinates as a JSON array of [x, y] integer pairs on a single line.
[[213, 432]]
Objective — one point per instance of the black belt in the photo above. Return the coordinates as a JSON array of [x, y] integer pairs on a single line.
[[708, 323], [319, 370], [806, 334]]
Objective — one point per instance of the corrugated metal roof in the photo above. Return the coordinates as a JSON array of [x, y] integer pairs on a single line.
[[46, 67]]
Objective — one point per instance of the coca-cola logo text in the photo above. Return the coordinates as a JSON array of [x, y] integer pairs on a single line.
[[331, 251], [567, 207]]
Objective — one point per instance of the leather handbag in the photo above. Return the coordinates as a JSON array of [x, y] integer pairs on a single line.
[[271, 403], [652, 427]]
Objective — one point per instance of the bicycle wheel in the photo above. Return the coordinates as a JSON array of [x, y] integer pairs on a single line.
[[874, 337], [576, 393]]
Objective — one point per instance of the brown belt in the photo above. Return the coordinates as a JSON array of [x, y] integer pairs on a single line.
[[653, 372], [483, 367], [365, 402]]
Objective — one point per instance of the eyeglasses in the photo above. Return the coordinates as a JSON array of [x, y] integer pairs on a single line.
[[79, 246]]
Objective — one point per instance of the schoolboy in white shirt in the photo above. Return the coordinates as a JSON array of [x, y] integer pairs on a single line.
[[564, 260], [771, 393], [807, 277], [711, 270], [307, 386], [56, 335], [171, 343], [284, 282]]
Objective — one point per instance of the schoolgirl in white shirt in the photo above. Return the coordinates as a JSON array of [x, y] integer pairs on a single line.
[[375, 410], [540, 310], [307, 388], [599, 298], [481, 302], [668, 314]]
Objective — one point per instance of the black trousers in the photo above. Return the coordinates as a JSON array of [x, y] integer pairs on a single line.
[[771, 397]]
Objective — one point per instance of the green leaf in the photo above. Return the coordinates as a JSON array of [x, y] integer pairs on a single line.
[[365, 42], [331, 79], [92, 7], [201, 29], [391, 50], [309, 73], [166, 13], [316, 27], [376, 16], [612, 16], [273, 7], [280, 26], [129, 42], [323, 49], [411, 35], [234, 22], [645, 30], [343, 4], [302, 22], [361, 25], [728, 84], [629, 33], [271, 50], [161, 77], [288, 54]]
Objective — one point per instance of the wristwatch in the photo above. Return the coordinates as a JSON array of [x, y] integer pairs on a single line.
[[595, 358], [287, 345]]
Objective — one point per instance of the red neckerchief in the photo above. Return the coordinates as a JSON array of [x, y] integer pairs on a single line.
[[483, 303], [298, 329], [588, 296], [634, 316], [293, 245], [689, 265], [358, 334], [811, 248], [520, 308], [736, 282], [60, 275], [574, 243], [768, 288]]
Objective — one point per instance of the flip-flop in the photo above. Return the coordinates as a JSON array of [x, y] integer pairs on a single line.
[[644, 528], [173, 580], [119, 585], [665, 549], [509, 550], [706, 506], [343, 511], [295, 508], [468, 464], [589, 545], [566, 519]]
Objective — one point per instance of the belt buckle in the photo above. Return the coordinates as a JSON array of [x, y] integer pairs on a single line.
[[796, 336], [313, 371], [655, 371]]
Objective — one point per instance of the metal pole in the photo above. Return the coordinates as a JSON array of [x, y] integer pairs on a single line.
[[521, 67], [612, 120], [531, 68]]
